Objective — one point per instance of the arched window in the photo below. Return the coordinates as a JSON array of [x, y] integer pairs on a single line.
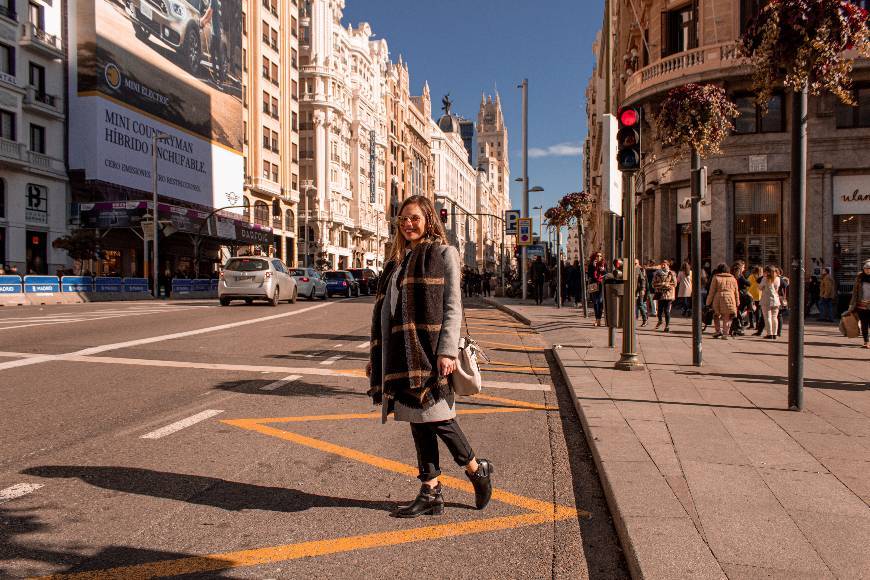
[[246, 209], [261, 213], [289, 220]]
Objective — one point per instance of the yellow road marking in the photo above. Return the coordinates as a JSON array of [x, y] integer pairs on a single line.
[[377, 414], [271, 555], [541, 512], [512, 332], [512, 347], [514, 402]]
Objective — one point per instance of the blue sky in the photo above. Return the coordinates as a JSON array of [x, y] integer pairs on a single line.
[[465, 47]]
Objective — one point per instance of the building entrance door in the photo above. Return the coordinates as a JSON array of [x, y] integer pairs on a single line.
[[757, 222], [37, 253]]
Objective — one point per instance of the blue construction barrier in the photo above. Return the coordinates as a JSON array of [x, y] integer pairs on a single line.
[[182, 286], [77, 284], [41, 284], [201, 285], [11, 284], [214, 285], [106, 284], [136, 285]]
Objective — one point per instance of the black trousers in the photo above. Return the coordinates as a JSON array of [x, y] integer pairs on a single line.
[[664, 308], [426, 437]]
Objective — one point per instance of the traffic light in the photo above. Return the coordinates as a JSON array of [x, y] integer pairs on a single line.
[[628, 139], [443, 213]]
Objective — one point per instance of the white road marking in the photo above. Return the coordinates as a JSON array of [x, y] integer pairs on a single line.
[[487, 384], [339, 345], [179, 425], [153, 339], [364, 344], [278, 384], [18, 490], [202, 365], [332, 359]]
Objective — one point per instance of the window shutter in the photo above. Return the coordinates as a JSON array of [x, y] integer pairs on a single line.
[[665, 41]]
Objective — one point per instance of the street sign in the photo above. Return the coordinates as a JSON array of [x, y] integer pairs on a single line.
[[524, 231], [510, 221]]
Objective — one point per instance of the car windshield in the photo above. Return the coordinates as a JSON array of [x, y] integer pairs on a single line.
[[246, 265], [335, 275], [298, 272]]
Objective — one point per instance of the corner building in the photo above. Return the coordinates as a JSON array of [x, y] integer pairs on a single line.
[[666, 44]]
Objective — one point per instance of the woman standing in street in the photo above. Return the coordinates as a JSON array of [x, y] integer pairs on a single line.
[[724, 298], [595, 274], [770, 302], [665, 284], [754, 291], [415, 336], [860, 304], [684, 288]]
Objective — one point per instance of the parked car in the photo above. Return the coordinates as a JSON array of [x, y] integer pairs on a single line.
[[309, 283], [252, 278], [367, 280], [341, 282]]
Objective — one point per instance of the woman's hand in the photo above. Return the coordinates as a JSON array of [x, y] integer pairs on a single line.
[[446, 365], [369, 369]]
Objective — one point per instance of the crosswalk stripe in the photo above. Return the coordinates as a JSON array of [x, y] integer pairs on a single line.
[[18, 490], [278, 384], [332, 359], [179, 425]]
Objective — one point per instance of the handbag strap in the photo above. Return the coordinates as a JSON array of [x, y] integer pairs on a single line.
[[470, 342]]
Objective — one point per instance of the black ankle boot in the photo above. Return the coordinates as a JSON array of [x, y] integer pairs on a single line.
[[482, 482], [428, 501]]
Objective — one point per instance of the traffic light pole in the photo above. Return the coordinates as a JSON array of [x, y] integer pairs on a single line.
[[798, 211], [697, 194], [629, 359], [525, 209]]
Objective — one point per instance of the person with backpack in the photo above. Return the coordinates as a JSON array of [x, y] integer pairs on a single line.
[[665, 285]]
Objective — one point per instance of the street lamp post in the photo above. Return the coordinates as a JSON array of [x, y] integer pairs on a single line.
[[309, 186], [155, 266], [525, 207]]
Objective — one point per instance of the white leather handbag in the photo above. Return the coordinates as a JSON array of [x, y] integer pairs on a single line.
[[466, 379]]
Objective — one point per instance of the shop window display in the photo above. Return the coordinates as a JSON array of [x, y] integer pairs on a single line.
[[757, 222]]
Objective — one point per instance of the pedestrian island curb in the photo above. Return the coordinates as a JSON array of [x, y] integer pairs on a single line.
[[658, 535]]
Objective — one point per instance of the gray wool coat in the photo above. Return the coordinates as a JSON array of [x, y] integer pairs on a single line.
[[448, 341]]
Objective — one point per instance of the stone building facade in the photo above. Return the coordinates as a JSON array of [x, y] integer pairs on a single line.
[[271, 86], [34, 189], [666, 43]]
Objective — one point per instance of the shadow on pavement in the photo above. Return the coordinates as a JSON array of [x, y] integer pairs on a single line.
[[202, 490], [20, 559], [347, 355], [298, 388], [777, 380], [600, 542], [331, 337]]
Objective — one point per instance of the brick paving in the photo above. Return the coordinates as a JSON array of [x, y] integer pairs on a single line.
[[708, 473]]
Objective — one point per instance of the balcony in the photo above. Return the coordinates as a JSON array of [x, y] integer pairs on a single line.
[[40, 102], [45, 163], [689, 66], [266, 186], [40, 40], [13, 153], [9, 80]]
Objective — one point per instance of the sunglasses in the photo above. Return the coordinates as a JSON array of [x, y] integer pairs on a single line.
[[414, 219]]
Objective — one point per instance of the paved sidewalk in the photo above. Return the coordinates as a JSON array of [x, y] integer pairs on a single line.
[[707, 473]]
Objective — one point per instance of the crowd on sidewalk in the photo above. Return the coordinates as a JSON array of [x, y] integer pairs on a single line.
[[736, 299]]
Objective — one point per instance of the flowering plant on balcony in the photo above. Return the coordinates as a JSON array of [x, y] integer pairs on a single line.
[[803, 41], [696, 116]]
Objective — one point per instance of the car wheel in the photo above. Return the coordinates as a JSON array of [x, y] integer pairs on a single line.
[[276, 296], [190, 51], [225, 301], [249, 301], [293, 299]]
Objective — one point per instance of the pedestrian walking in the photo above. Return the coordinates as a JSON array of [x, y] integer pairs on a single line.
[[665, 285], [538, 274], [684, 288], [487, 283], [770, 302], [744, 303], [860, 303], [640, 295], [649, 272], [827, 295], [415, 341], [724, 298], [595, 274]]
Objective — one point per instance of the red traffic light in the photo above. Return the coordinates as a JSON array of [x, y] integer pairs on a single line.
[[443, 213], [628, 117]]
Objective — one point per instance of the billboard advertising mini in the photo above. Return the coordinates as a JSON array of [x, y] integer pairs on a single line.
[[170, 68]]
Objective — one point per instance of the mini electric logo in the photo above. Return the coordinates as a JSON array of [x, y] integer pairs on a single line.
[[113, 75]]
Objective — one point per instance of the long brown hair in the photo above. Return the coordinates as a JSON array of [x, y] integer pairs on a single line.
[[434, 229]]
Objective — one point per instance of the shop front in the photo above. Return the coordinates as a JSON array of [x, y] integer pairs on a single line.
[[684, 227], [851, 229], [758, 223], [189, 245]]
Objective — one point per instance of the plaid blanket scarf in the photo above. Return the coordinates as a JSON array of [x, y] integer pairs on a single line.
[[410, 373]]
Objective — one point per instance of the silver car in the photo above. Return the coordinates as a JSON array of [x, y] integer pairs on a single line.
[[252, 278], [309, 283]]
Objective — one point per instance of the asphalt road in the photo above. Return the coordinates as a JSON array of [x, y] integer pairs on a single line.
[[148, 440]]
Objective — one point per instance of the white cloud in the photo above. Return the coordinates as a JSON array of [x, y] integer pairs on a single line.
[[566, 149]]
